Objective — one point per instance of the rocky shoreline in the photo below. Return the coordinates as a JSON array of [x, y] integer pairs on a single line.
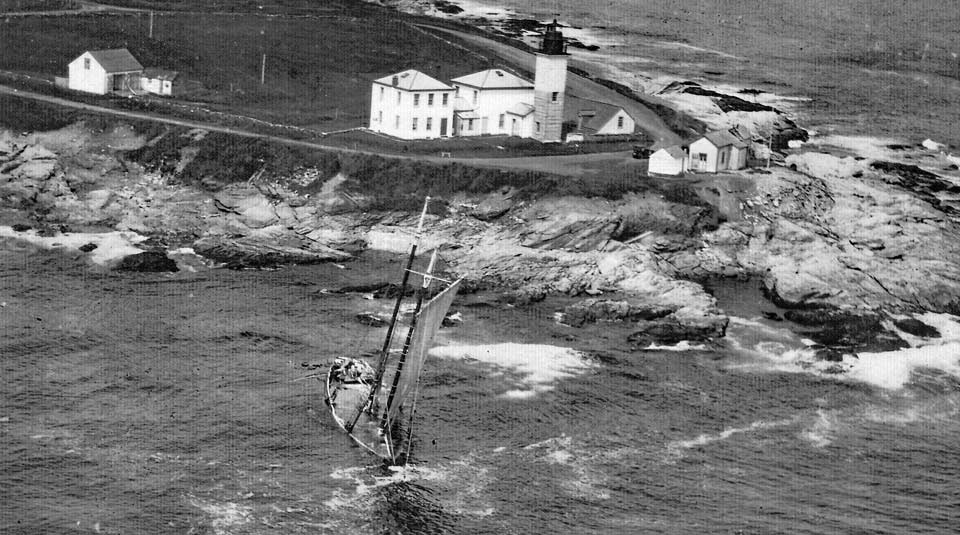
[[851, 240]]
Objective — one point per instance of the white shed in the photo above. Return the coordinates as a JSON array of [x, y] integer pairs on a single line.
[[411, 105], [718, 151], [671, 161], [159, 81], [104, 71]]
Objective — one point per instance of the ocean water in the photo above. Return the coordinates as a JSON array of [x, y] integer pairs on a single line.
[[862, 67], [174, 403]]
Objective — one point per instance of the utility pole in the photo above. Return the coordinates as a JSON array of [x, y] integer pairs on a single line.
[[263, 69], [151, 25]]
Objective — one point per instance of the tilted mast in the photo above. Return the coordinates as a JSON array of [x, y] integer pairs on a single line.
[[385, 350]]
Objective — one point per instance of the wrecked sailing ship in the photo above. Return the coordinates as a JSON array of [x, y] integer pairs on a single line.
[[375, 405]]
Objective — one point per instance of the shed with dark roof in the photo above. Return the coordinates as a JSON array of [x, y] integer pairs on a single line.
[[105, 71]]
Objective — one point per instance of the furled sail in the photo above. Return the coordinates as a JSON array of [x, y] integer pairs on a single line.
[[428, 323]]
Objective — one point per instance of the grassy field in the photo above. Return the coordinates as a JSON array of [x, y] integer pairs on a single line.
[[36, 5], [318, 68]]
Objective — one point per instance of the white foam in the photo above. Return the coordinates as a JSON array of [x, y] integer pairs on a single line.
[[111, 246], [538, 365], [683, 345], [677, 446], [820, 433], [225, 515]]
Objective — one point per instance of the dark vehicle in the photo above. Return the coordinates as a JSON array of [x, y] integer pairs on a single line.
[[641, 153]]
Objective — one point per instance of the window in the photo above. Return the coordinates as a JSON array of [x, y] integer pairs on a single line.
[[475, 97], [396, 123], [381, 93], [416, 99], [445, 95], [723, 158], [554, 96], [430, 99], [500, 123], [469, 124], [86, 63], [414, 123], [380, 116], [702, 156], [538, 126], [430, 122], [620, 121], [398, 96]]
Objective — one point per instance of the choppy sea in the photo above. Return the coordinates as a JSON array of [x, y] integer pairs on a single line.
[[174, 403]]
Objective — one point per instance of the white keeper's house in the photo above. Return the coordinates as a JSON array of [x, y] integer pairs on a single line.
[[104, 71], [413, 105]]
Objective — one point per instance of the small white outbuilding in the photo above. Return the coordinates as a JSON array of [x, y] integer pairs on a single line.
[[104, 71], [670, 161], [160, 81], [718, 151]]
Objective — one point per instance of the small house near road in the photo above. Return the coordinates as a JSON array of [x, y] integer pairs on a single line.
[[411, 105], [595, 118], [718, 151], [670, 161], [104, 71], [160, 81]]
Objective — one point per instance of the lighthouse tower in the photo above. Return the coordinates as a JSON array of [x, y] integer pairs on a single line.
[[549, 84]]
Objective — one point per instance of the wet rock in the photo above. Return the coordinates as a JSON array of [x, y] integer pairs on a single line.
[[149, 261], [526, 295], [669, 331], [371, 319], [260, 253], [87, 247], [917, 328], [853, 331], [594, 310], [772, 316], [20, 227], [828, 355]]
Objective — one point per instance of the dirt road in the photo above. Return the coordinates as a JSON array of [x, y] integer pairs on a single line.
[[570, 165], [647, 120]]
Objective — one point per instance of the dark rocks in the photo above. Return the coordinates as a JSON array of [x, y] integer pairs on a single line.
[[852, 331], [923, 183], [594, 310], [87, 247], [828, 355], [371, 319], [669, 331], [20, 227], [917, 328], [772, 316], [240, 254], [149, 261]]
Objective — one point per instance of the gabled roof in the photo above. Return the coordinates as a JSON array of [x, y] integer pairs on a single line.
[[413, 80], [116, 60], [723, 138], [592, 114], [159, 74], [675, 152], [520, 108], [493, 79]]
